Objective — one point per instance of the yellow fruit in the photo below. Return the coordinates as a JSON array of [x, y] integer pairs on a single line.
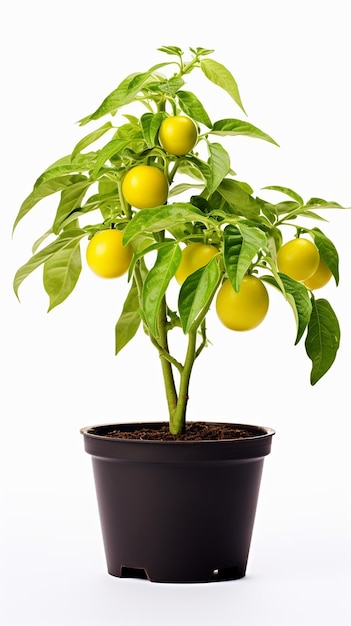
[[194, 256], [178, 134], [320, 278], [106, 256], [245, 309], [298, 258], [145, 186]]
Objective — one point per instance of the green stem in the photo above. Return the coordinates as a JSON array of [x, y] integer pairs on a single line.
[[125, 206], [168, 378], [177, 419]]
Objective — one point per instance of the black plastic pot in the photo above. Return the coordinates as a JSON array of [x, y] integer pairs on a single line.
[[177, 511]]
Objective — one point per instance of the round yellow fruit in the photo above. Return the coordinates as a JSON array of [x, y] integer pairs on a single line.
[[194, 256], [245, 309], [298, 258], [178, 134], [145, 186], [106, 255], [320, 278]]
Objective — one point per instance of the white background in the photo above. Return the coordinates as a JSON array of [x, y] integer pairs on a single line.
[[59, 372]]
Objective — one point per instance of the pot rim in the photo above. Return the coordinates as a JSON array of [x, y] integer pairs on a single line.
[[261, 432], [177, 451]]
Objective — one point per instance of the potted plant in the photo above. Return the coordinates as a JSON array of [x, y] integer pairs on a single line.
[[157, 204]]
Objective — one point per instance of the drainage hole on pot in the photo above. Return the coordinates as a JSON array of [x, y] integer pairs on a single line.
[[228, 573], [133, 572]]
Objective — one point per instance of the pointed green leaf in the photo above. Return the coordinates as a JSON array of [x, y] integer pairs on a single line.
[[65, 239], [219, 165], [192, 106], [150, 123], [240, 248], [163, 85], [129, 320], [71, 198], [67, 165], [323, 339], [125, 93], [196, 293], [288, 192], [157, 281], [327, 251], [299, 300], [196, 168], [61, 272], [160, 218], [33, 263], [38, 243], [239, 201], [221, 76], [201, 51], [113, 147], [238, 127], [319, 203], [173, 50], [296, 295], [233, 241], [91, 138], [45, 189]]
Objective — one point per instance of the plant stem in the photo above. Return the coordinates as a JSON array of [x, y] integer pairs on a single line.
[[168, 378], [177, 419]]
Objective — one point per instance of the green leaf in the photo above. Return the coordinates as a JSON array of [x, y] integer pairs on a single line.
[[196, 292], [173, 50], [157, 281], [240, 247], [298, 298], [42, 191], [150, 123], [91, 138], [288, 192], [196, 168], [182, 187], [69, 238], [319, 203], [192, 106], [219, 165], [238, 127], [300, 302], [61, 272], [327, 251], [160, 218], [165, 86], [222, 77], [71, 199], [201, 51], [323, 339], [129, 320], [67, 165], [239, 201], [112, 148], [125, 93]]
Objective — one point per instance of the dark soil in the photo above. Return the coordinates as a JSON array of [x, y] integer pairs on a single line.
[[195, 431]]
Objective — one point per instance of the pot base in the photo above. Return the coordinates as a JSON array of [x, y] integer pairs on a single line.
[[223, 574]]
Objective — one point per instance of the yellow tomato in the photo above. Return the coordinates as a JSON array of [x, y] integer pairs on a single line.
[[245, 309], [298, 258], [194, 256], [178, 134], [320, 278], [145, 186], [106, 256]]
